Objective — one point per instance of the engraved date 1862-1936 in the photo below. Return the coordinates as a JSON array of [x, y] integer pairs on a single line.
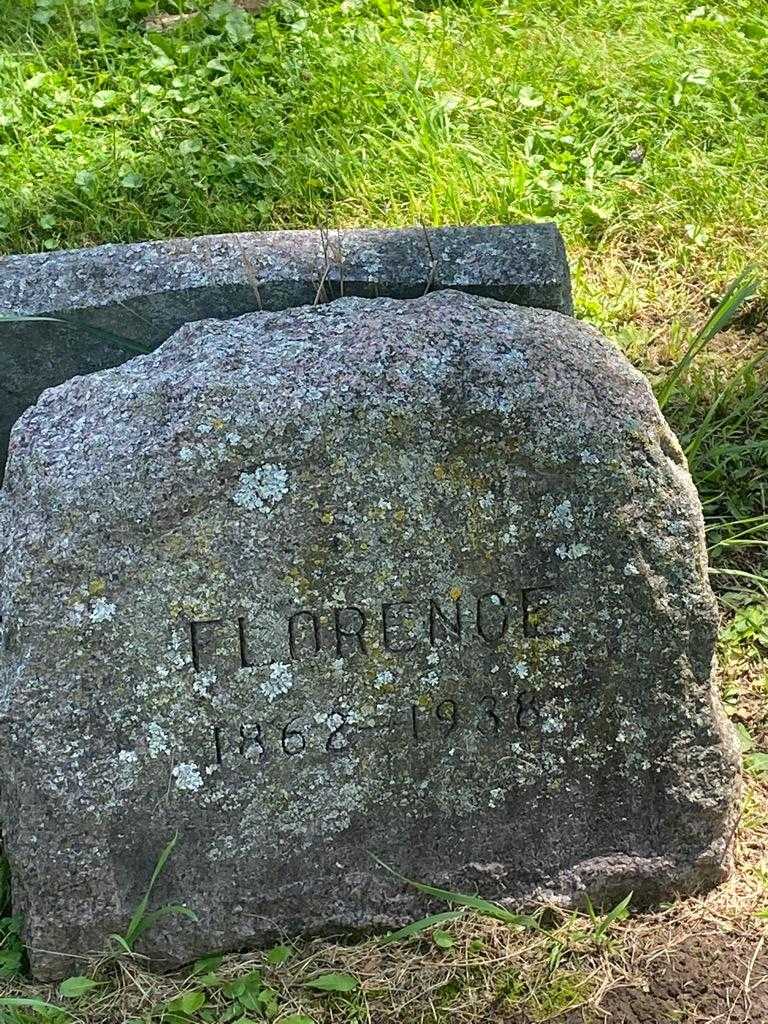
[[488, 718]]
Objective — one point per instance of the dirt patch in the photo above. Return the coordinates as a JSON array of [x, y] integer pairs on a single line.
[[702, 981]]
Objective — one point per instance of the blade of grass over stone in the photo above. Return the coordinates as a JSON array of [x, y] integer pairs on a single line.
[[760, 580], [756, 536], [97, 332], [419, 926], [466, 900], [113, 339], [137, 926], [151, 918], [114, 937], [739, 291], [9, 318]]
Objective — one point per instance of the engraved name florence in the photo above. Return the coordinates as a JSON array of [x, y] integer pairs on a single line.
[[399, 627]]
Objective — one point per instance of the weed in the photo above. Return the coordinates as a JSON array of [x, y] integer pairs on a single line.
[[601, 924], [738, 292], [143, 918], [726, 444], [477, 903], [99, 333], [12, 954]]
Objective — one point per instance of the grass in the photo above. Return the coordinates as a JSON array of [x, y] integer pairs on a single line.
[[722, 421], [640, 126]]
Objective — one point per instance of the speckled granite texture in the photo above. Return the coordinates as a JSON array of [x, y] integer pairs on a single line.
[[140, 294], [421, 579]]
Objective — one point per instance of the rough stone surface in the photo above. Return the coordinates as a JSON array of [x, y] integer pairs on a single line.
[[420, 579], [115, 297]]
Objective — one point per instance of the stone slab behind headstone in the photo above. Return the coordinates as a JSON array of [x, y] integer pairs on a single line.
[[131, 295], [424, 580]]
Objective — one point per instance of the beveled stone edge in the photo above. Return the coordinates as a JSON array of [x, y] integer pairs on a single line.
[[524, 263]]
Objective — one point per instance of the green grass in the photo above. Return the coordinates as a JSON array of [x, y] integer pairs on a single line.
[[638, 124]]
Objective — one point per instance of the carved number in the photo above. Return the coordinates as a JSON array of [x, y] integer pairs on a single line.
[[251, 741], [493, 724], [447, 713], [291, 739], [337, 741]]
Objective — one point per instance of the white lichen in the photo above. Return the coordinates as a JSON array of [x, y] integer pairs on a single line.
[[77, 611], [203, 683], [261, 490], [280, 681], [157, 741], [562, 515], [102, 610], [572, 552], [187, 777]]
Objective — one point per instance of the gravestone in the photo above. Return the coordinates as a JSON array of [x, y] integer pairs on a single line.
[[97, 307], [416, 580]]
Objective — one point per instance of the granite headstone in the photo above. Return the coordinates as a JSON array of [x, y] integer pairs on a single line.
[[419, 579]]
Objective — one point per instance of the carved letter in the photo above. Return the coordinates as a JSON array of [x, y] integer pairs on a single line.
[[244, 663], [314, 618], [438, 617], [196, 640], [391, 627], [350, 634], [491, 601]]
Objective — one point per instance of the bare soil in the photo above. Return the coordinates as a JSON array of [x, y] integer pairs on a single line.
[[702, 981]]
